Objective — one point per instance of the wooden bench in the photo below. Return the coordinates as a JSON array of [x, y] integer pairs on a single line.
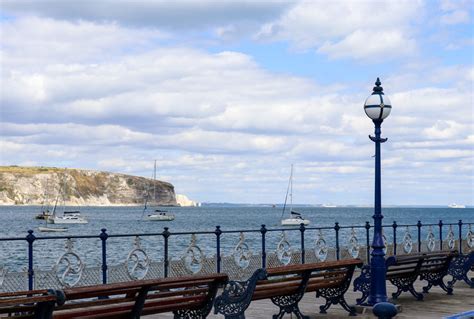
[[186, 297], [285, 286], [37, 304], [403, 271]]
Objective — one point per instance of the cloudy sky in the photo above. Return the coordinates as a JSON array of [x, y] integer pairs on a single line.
[[225, 95]]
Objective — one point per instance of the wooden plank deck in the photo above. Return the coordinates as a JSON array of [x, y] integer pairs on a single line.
[[436, 304]]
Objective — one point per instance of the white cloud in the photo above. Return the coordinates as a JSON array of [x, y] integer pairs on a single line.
[[220, 125], [357, 29]]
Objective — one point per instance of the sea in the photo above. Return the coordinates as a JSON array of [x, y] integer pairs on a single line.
[[127, 222]]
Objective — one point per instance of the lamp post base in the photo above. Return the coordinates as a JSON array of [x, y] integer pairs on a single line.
[[367, 309]]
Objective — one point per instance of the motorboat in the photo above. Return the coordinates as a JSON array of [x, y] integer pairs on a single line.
[[295, 218], [454, 205], [328, 205]]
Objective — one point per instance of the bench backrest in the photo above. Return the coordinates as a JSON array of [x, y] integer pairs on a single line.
[[437, 261], [143, 297], [296, 279], [404, 265], [27, 304]]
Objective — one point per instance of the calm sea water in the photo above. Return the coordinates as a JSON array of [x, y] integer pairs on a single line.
[[16, 220]]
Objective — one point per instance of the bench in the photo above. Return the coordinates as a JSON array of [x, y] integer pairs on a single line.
[[403, 270], [37, 304], [186, 297], [286, 285]]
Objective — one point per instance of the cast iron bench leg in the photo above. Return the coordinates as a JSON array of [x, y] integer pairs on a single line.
[[200, 313], [405, 284], [459, 269], [362, 284], [335, 295], [237, 296]]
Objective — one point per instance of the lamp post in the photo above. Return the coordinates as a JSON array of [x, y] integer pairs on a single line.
[[377, 107]]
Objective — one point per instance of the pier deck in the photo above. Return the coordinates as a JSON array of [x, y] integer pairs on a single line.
[[436, 304]]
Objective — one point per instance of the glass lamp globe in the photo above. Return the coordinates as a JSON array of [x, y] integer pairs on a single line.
[[377, 106]]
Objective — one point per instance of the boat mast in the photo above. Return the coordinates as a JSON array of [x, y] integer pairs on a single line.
[[291, 190], [154, 183]]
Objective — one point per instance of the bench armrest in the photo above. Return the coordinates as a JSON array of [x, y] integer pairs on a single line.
[[237, 295]]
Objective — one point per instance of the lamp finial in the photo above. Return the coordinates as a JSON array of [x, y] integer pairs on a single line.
[[377, 88]]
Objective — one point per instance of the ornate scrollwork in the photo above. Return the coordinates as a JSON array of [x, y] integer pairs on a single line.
[[3, 272], [283, 250], [430, 240], [353, 247], [137, 261], [470, 238], [193, 256], [450, 238], [321, 247], [385, 242], [407, 242], [242, 253], [69, 266]]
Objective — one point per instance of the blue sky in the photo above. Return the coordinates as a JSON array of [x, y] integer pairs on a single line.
[[227, 95]]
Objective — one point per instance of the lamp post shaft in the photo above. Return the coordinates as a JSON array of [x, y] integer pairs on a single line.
[[378, 289]]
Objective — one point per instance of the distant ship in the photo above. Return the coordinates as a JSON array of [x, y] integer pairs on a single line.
[[454, 205], [328, 205]]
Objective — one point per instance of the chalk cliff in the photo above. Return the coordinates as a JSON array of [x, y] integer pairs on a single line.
[[30, 186]]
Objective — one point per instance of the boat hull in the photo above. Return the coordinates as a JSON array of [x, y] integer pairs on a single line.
[[294, 222], [52, 230], [160, 218], [60, 220]]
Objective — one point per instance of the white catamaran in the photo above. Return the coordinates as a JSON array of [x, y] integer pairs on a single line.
[[158, 214], [295, 218]]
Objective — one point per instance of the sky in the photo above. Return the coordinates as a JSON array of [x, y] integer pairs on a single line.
[[226, 95]]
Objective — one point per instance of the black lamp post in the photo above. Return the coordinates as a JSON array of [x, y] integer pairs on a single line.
[[377, 107]]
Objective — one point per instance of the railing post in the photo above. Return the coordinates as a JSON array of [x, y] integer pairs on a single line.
[[460, 236], [263, 231], [394, 225], [440, 224], [302, 229], [419, 235], [166, 235], [30, 238], [367, 237], [218, 233], [336, 228], [103, 237]]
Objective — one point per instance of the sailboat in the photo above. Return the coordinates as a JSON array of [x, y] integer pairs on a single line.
[[68, 217], [45, 213], [158, 214], [295, 218]]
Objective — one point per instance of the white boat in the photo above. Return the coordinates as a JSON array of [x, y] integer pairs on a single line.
[[71, 217], [454, 205], [328, 205], [51, 229], [67, 218], [158, 215], [296, 218]]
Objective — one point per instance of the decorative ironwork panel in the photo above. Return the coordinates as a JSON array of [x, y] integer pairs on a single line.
[[321, 247], [229, 266], [450, 238], [69, 266], [385, 242], [14, 281], [242, 253], [3, 272], [193, 256], [137, 262], [430, 240], [353, 247], [407, 242], [178, 268], [283, 249], [470, 238]]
